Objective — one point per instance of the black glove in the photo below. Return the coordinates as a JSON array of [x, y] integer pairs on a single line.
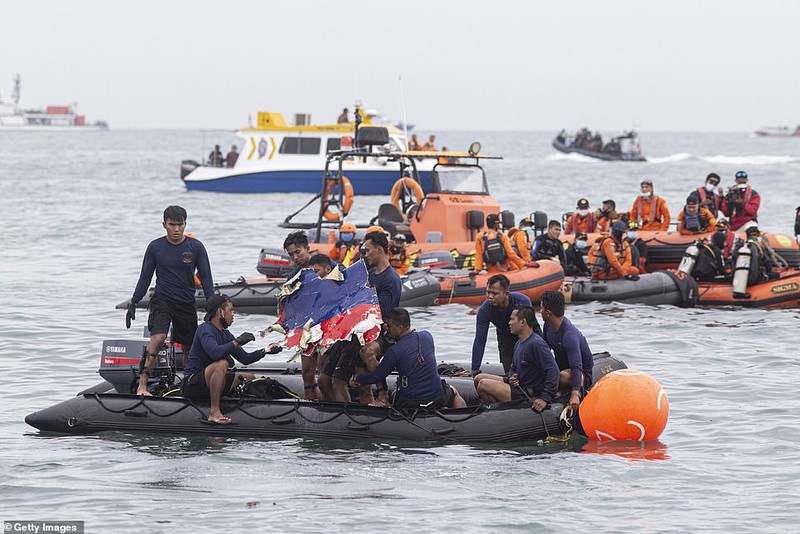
[[272, 349], [130, 315], [245, 338]]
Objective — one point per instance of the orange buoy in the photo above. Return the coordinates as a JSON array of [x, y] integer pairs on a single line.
[[625, 405]]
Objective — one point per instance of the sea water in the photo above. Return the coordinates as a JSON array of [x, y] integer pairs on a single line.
[[78, 211]]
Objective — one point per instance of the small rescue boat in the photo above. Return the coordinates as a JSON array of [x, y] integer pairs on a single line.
[[781, 292], [458, 286], [103, 408], [626, 147], [660, 287], [260, 295]]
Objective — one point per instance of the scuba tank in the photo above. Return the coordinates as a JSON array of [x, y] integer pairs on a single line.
[[741, 272], [689, 259]]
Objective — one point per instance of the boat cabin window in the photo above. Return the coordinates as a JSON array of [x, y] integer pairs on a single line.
[[300, 145], [459, 179], [334, 143]]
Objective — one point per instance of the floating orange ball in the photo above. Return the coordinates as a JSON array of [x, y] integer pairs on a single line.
[[625, 405]]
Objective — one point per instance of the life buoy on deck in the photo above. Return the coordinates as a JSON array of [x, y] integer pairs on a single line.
[[330, 187], [403, 184]]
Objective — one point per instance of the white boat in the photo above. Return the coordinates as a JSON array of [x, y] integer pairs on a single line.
[[278, 158], [778, 131], [51, 119]]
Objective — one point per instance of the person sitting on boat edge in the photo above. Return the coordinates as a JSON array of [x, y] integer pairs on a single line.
[[610, 256], [650, 210], [413, 356], [296, 246], [573, 355], [533, 373], [493, 249], [231, 157], [398, 258], [520, 238], [574, 264], [209, 374], [710, 195], [173, 258], [694, 219], [638, 247], [741, 204], [496, 310], [608, 216], [582, 219], [347, 249], [548, 246]]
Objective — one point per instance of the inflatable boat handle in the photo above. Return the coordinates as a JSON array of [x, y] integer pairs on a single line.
[[356, 426], [287, 421], [133, 413], [443, 431]]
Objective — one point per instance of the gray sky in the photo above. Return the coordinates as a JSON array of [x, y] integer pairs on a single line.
[[465, 65]]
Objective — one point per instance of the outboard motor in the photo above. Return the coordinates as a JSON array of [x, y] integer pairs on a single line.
[[274, 262], [741, 272], [436, 259], [689, 259]]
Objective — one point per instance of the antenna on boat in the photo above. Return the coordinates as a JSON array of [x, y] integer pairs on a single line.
[[403, 109]]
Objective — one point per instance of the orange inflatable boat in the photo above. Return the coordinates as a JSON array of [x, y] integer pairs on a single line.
[[782, 292]]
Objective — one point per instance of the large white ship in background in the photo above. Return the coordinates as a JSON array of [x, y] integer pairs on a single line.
[[51, 119]]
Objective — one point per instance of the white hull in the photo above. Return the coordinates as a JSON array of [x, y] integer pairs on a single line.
[[47, 128]]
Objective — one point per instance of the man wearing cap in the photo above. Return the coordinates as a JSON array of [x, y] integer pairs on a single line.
[[208, 374], [583, 219], [741, 204], [710, 195], [493, 249], [398, 259], [694, 219], [649, 209], [521, 238], [174, 259]]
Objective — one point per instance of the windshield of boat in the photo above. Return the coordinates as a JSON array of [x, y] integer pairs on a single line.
[[460, 179]]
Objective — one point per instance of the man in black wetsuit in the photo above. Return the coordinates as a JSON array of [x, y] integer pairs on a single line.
[[548, 246], [174, 259]]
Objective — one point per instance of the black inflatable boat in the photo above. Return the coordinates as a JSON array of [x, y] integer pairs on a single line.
[[660, 287]]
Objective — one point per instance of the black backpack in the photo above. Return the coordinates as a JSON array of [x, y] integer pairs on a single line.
[[494, 253], [263, 388]]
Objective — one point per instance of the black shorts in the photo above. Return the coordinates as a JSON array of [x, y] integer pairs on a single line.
[[183, 317], [520, 393], [195, 387], [443, 400]]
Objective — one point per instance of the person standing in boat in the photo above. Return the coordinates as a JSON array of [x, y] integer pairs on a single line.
[[209, 374], [694, 219], [548, 246], [493, 249], [608, 216], [710, 195], [496, 310], [231, 157], [649, 209], [215, 158], [344, 117], [174, 259], [573, 355], [582, 219], [533, 373], [413, 356], [741, 204]]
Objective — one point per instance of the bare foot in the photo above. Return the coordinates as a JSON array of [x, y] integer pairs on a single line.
[[143, 393], [219, 419]]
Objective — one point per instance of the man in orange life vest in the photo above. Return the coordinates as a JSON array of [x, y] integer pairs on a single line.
[[398, 258], [429, 144], [710, 195], [413, 143], [521, 238], [610, 258], [741, 204], [493, 249], [649, 209], [346, 248], [694, 219], [583, 219]]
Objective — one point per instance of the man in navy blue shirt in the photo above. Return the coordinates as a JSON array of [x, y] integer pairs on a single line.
[[207, 374], [573, 355], [497, 310], [414, 357], [174, 260], [533, 374], [296, 246]]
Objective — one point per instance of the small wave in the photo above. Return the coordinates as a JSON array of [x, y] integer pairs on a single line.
[[748, 160], [681, 156], [571, 157]]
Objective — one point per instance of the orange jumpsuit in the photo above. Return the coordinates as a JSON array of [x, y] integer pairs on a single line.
[[400, 262], [618, 257], [512, 262], [651, 214], [520, 243], [576, 223]]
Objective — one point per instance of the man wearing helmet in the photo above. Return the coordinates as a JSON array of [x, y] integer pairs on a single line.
[[346, 249]]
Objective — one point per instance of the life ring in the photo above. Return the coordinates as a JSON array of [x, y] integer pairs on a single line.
[[330, 187], [403, 184]]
